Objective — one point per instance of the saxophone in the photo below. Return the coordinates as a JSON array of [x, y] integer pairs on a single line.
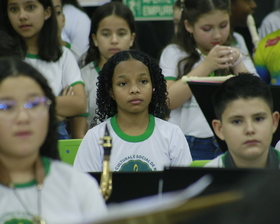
[[106, 176]]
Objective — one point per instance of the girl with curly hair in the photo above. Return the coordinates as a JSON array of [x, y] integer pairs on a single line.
[[132, 103]]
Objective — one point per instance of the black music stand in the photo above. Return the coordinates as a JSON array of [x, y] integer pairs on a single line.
[[203, 92]]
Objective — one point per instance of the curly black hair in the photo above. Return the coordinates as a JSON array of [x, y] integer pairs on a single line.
[[12, 67], [107, 107]]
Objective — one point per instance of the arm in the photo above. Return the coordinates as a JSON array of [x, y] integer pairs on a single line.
[[78, 127], [71, 105], [218, 58]]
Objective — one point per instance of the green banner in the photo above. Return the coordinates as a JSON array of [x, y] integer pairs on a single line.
[[151, 9]]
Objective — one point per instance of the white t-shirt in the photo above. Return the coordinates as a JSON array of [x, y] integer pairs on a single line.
[[163, 144], [189, 116], [68, 196], [75, 51], [59, 74], [77, 27], [90, 77], [270, 24]]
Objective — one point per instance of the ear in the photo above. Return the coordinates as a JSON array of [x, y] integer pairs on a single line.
[[93, 36], [133, 35], [112, 94], [217, 126], [275, 120], [47, 13], [188, 26]]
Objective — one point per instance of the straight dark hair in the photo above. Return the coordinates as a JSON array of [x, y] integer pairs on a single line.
[[49, 48], [192, 11], [243, 86], [13, 67], [111, 8]]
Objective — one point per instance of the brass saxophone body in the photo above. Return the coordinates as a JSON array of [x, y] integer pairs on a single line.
[[106, 176]]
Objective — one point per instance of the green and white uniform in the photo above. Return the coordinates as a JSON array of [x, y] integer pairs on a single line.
[[162, 144], [68, 196], [226, 161], [59, 74]]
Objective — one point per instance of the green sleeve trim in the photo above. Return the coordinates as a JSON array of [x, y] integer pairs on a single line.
[[33, 56], [96, 67], [81, 115], [68, 45], [78, 82], [170, 78]]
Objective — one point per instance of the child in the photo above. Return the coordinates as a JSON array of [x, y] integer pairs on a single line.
[[246, 122], [113, 29], [61, 23], [34, 24], [199, 50], [77, 25], [132, 97], [177, 12], [33, 185], [266, 58]]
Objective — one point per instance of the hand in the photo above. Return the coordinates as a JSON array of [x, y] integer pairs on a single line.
[[60, 118], [68, 91], [220, 57]]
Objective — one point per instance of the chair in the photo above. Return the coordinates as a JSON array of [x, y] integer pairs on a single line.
[[199, 163], [68, 149]]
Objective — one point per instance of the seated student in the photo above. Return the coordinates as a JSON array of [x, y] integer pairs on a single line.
[[266, 58], [246, 122], [34, 187], [132, 102], [270, 23]]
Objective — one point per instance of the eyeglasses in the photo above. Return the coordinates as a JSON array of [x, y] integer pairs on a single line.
[[35, 107]]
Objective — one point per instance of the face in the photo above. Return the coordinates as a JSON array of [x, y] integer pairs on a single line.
[[27, 17], [247, 127], [176, 18], [23, 135], [240, 9], [113, 35], [132, 87], [60, 18], [209, 30]]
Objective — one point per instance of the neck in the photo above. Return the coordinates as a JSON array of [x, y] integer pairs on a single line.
[[19, 170], [101, 62], [62, 43], [133, 124], [259, 162], [32, 46]]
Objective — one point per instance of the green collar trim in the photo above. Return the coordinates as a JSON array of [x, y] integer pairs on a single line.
[[68, 45], [33, 56], [46, 162], [129, 138], [96, 67]]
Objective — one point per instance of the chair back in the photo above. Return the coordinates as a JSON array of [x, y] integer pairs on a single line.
[[68, 149], [199, 163]]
